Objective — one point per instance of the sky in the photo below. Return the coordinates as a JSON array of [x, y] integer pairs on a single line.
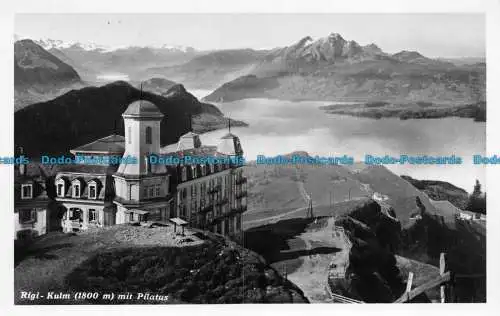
[[433, 35]]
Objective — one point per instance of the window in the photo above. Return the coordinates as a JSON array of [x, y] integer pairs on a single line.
[[143, 217], [149, 136], [92, 191], [211, 168], [75, 214], [76, 190], [27, 216], [193, 168], [26, 191], [60, 189], [151, 191], [231, 225], [194, 207], [158, 190], [129, 136], [183, 174], [238, 222], [92, 215], [145, 192], [203, 170], [131, 217]]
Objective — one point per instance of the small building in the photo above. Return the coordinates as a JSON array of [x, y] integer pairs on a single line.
[[31, 213], [84, 197]]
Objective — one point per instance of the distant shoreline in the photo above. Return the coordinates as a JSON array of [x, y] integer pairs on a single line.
[[418, 110]]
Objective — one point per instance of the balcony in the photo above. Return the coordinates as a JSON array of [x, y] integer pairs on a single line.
[[214, 189], [207, 208], [240, 181]]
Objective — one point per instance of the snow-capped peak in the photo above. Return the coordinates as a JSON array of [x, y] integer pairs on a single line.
[[48, 44], [59, 44]]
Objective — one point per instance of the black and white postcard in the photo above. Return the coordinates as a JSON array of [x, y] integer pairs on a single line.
[[335, 157]]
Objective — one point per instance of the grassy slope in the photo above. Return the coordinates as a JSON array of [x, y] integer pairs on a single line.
[[274, 190], [363, 81]]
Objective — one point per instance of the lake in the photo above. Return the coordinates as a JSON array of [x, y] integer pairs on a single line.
[[110, 77], [280, 127]]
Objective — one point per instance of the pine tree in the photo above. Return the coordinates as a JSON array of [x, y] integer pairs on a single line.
[[477, 201]]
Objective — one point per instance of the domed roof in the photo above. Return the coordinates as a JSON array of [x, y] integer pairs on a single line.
[[142, 108]]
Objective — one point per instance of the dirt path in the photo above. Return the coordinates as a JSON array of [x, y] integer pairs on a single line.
[[312, 275], [275, 218], [340, 260]]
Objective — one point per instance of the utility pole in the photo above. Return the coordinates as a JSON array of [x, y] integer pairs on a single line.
[[442, 268], [331, 200], [309, 207]]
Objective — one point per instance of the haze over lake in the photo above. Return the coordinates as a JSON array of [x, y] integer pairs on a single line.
[[280, 127]]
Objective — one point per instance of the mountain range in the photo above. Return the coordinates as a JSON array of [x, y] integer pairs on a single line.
[[210, 70], [329, 68], [84, 115], [90, 46], [92, 60], [38, 74], [332, 68], [53, 102]]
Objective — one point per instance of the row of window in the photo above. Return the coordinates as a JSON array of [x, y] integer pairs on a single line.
[[212, 168], [76, 189], [229, 225], [76, 214], [152, 191]]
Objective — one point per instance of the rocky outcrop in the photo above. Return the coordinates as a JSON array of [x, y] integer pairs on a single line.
[[333, 68], [217, 272], [372, 274], [326, 49]]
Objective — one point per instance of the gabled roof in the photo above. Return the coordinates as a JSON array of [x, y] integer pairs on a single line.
[[112, 144], [83, 168]]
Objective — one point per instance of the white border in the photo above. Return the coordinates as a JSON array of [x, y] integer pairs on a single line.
[[492, 8]]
